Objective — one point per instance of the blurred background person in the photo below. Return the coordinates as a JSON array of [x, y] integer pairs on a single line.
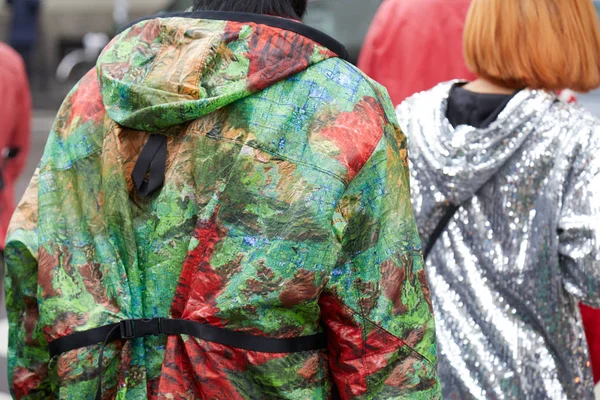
[[506, 185], [15, 123], [412, 45], [15, 130], [24, 28]]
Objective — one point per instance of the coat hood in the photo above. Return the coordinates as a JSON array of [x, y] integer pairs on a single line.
[[167, 71], [459, 161]]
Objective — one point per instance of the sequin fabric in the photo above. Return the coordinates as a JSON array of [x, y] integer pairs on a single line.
[[285, 207], [510, 268]]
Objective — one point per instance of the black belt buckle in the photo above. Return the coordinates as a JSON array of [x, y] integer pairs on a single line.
[[149, 327], [127, 329]]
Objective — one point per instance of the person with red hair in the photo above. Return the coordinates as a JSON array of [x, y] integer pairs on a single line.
[[506, 188], [406, 63]]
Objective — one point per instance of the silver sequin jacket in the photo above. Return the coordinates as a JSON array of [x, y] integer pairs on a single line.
[[509, 270]]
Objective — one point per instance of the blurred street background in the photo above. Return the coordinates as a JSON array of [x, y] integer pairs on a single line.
[[72, 32]]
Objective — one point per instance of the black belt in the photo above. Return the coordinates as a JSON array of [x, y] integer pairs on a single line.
[[138, 328]]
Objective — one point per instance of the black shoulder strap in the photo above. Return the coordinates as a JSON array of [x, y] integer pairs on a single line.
[[439, 229], [452, 209]]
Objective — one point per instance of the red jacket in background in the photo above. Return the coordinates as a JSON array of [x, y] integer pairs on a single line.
[[412, 46], [15, 117], [591, 321]]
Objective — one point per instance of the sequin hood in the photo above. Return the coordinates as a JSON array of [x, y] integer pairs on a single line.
[[460, 160], [512, 264]]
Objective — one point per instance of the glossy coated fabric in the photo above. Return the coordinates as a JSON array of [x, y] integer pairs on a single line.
[[285, 206], [508, 272]]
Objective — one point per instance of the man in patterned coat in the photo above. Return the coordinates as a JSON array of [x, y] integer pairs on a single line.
[[222, 212]]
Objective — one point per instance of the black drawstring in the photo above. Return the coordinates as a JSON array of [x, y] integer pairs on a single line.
[[101, 358]]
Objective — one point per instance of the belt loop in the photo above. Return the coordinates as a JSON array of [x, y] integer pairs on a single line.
[[159, 322]]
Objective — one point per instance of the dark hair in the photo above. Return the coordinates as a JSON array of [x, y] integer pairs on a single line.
[[280, 8]]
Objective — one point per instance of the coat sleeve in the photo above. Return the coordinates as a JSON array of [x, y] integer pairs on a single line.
[[28, 352], [377, 305], [579, 225]]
